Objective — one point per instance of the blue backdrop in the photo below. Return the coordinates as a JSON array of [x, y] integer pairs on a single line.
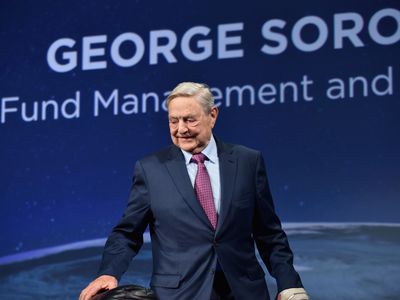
[[314, 86]]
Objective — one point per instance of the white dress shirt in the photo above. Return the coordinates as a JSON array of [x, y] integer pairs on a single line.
[[212, 166]]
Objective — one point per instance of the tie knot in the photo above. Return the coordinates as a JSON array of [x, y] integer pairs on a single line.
[[198, 158]]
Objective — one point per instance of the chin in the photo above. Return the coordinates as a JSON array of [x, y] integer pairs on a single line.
[[185, 144], [188, 148]]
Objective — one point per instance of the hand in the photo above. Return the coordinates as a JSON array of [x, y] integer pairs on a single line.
[[106, 282], [293, 294]]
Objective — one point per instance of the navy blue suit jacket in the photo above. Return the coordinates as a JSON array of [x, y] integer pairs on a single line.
[[184, 245]]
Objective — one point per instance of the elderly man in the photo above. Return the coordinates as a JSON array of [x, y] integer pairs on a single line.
[[207, 204]]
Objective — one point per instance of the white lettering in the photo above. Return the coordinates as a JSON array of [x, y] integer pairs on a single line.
[[239, 91], [54, 105], [135, 58], [131, 106], [74, 103], [111, 100], [5, 109], [205, 45], [340, 33], [305, 83], [88, 52], [217, 94], [336, 90], [322, 33], [279, 38], [145, 97], [224, 41], [166, 50], [267, 90], [374, 23], [386, 80], [70, 56], [34, 115]]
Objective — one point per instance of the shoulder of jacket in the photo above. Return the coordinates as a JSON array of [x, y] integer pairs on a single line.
[[159, 155], [239, 149]]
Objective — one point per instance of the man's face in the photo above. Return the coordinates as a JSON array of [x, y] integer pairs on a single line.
[[190, 126]]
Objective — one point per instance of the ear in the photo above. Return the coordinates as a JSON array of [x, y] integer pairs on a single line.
[[213, 114]]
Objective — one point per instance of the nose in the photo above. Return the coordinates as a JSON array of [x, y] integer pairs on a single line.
[[182, 127]]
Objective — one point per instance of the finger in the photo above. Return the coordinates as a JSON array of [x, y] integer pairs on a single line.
[[299, 297], [85, 295], [113, 284], [103, 282], [90, 291], [95, 287]]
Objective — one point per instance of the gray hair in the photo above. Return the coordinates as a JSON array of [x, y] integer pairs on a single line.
[[200, 91]]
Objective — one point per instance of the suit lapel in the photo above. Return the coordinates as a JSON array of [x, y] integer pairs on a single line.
[[178, 171], [227, 167]]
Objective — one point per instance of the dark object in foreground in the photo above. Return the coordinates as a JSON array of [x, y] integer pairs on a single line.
[[126, 292]]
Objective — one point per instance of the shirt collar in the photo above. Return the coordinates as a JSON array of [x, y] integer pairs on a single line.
[[210, 151]]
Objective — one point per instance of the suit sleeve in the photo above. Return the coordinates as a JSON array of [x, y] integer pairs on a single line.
[[126, 237], [271, 240]]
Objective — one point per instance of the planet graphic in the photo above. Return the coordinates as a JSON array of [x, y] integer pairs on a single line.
[[336, 261]]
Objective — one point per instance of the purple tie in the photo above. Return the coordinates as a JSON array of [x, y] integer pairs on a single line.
[[202, 186]]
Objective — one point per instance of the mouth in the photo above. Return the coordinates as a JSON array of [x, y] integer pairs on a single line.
[[185, 139]]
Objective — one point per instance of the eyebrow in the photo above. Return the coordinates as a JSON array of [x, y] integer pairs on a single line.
[[183, 117]]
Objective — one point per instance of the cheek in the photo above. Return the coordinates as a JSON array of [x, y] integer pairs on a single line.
[[197, 130], [172, 131]]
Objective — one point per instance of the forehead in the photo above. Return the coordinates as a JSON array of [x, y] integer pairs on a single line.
[[181, 106]]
